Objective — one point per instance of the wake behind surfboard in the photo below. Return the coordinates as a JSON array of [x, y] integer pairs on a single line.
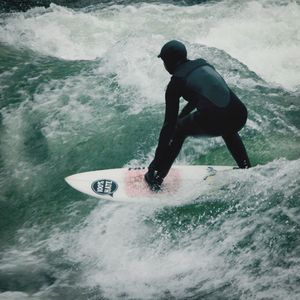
[[128, 185]]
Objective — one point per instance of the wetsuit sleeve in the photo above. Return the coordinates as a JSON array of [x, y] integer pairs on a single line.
[[172, 96], [187, 109]]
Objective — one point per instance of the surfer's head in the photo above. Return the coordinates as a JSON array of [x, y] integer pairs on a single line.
[[173, 53]]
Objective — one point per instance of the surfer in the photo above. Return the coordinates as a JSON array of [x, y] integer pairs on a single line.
[[212, 110]]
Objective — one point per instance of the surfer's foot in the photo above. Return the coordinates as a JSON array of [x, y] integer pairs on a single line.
[[154, 180]]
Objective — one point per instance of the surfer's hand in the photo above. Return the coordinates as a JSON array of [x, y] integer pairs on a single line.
[[153, 179]]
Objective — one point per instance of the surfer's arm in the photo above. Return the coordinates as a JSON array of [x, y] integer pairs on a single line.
[[171, 113], [189, 107]]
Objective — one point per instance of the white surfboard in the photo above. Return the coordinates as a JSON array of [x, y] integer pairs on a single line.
[[128, 184]]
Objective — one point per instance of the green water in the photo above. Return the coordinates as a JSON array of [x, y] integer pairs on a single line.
[[82, 90]]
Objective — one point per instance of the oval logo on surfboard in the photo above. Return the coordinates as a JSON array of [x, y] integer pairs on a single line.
[[104, 187]]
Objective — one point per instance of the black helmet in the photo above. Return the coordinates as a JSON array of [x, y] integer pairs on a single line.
[[173, 51], [173, 54]]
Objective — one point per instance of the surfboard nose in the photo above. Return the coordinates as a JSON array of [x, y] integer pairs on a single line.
[[68, 179], [71, 179]]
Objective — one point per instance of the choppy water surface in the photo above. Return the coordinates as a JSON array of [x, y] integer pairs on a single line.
[[82, 89]]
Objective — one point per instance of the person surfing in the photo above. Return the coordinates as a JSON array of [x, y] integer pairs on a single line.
[[212, 110]]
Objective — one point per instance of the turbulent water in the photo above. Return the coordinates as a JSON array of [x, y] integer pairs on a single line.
[[82, 89]]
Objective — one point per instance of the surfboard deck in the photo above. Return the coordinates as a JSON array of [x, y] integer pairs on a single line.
[[128, 184]]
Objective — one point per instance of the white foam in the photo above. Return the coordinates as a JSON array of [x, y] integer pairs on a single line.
[[264, 35], [59, 32], [121, 255], [143, 251], [14, 296]]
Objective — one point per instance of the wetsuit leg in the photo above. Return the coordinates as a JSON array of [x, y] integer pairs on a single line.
[[203, 124], [237, 149], [187, 126]]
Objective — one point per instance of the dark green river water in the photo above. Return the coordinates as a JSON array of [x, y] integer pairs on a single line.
[[81, 89]]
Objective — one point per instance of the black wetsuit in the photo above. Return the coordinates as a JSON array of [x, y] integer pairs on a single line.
[[219, 112]]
